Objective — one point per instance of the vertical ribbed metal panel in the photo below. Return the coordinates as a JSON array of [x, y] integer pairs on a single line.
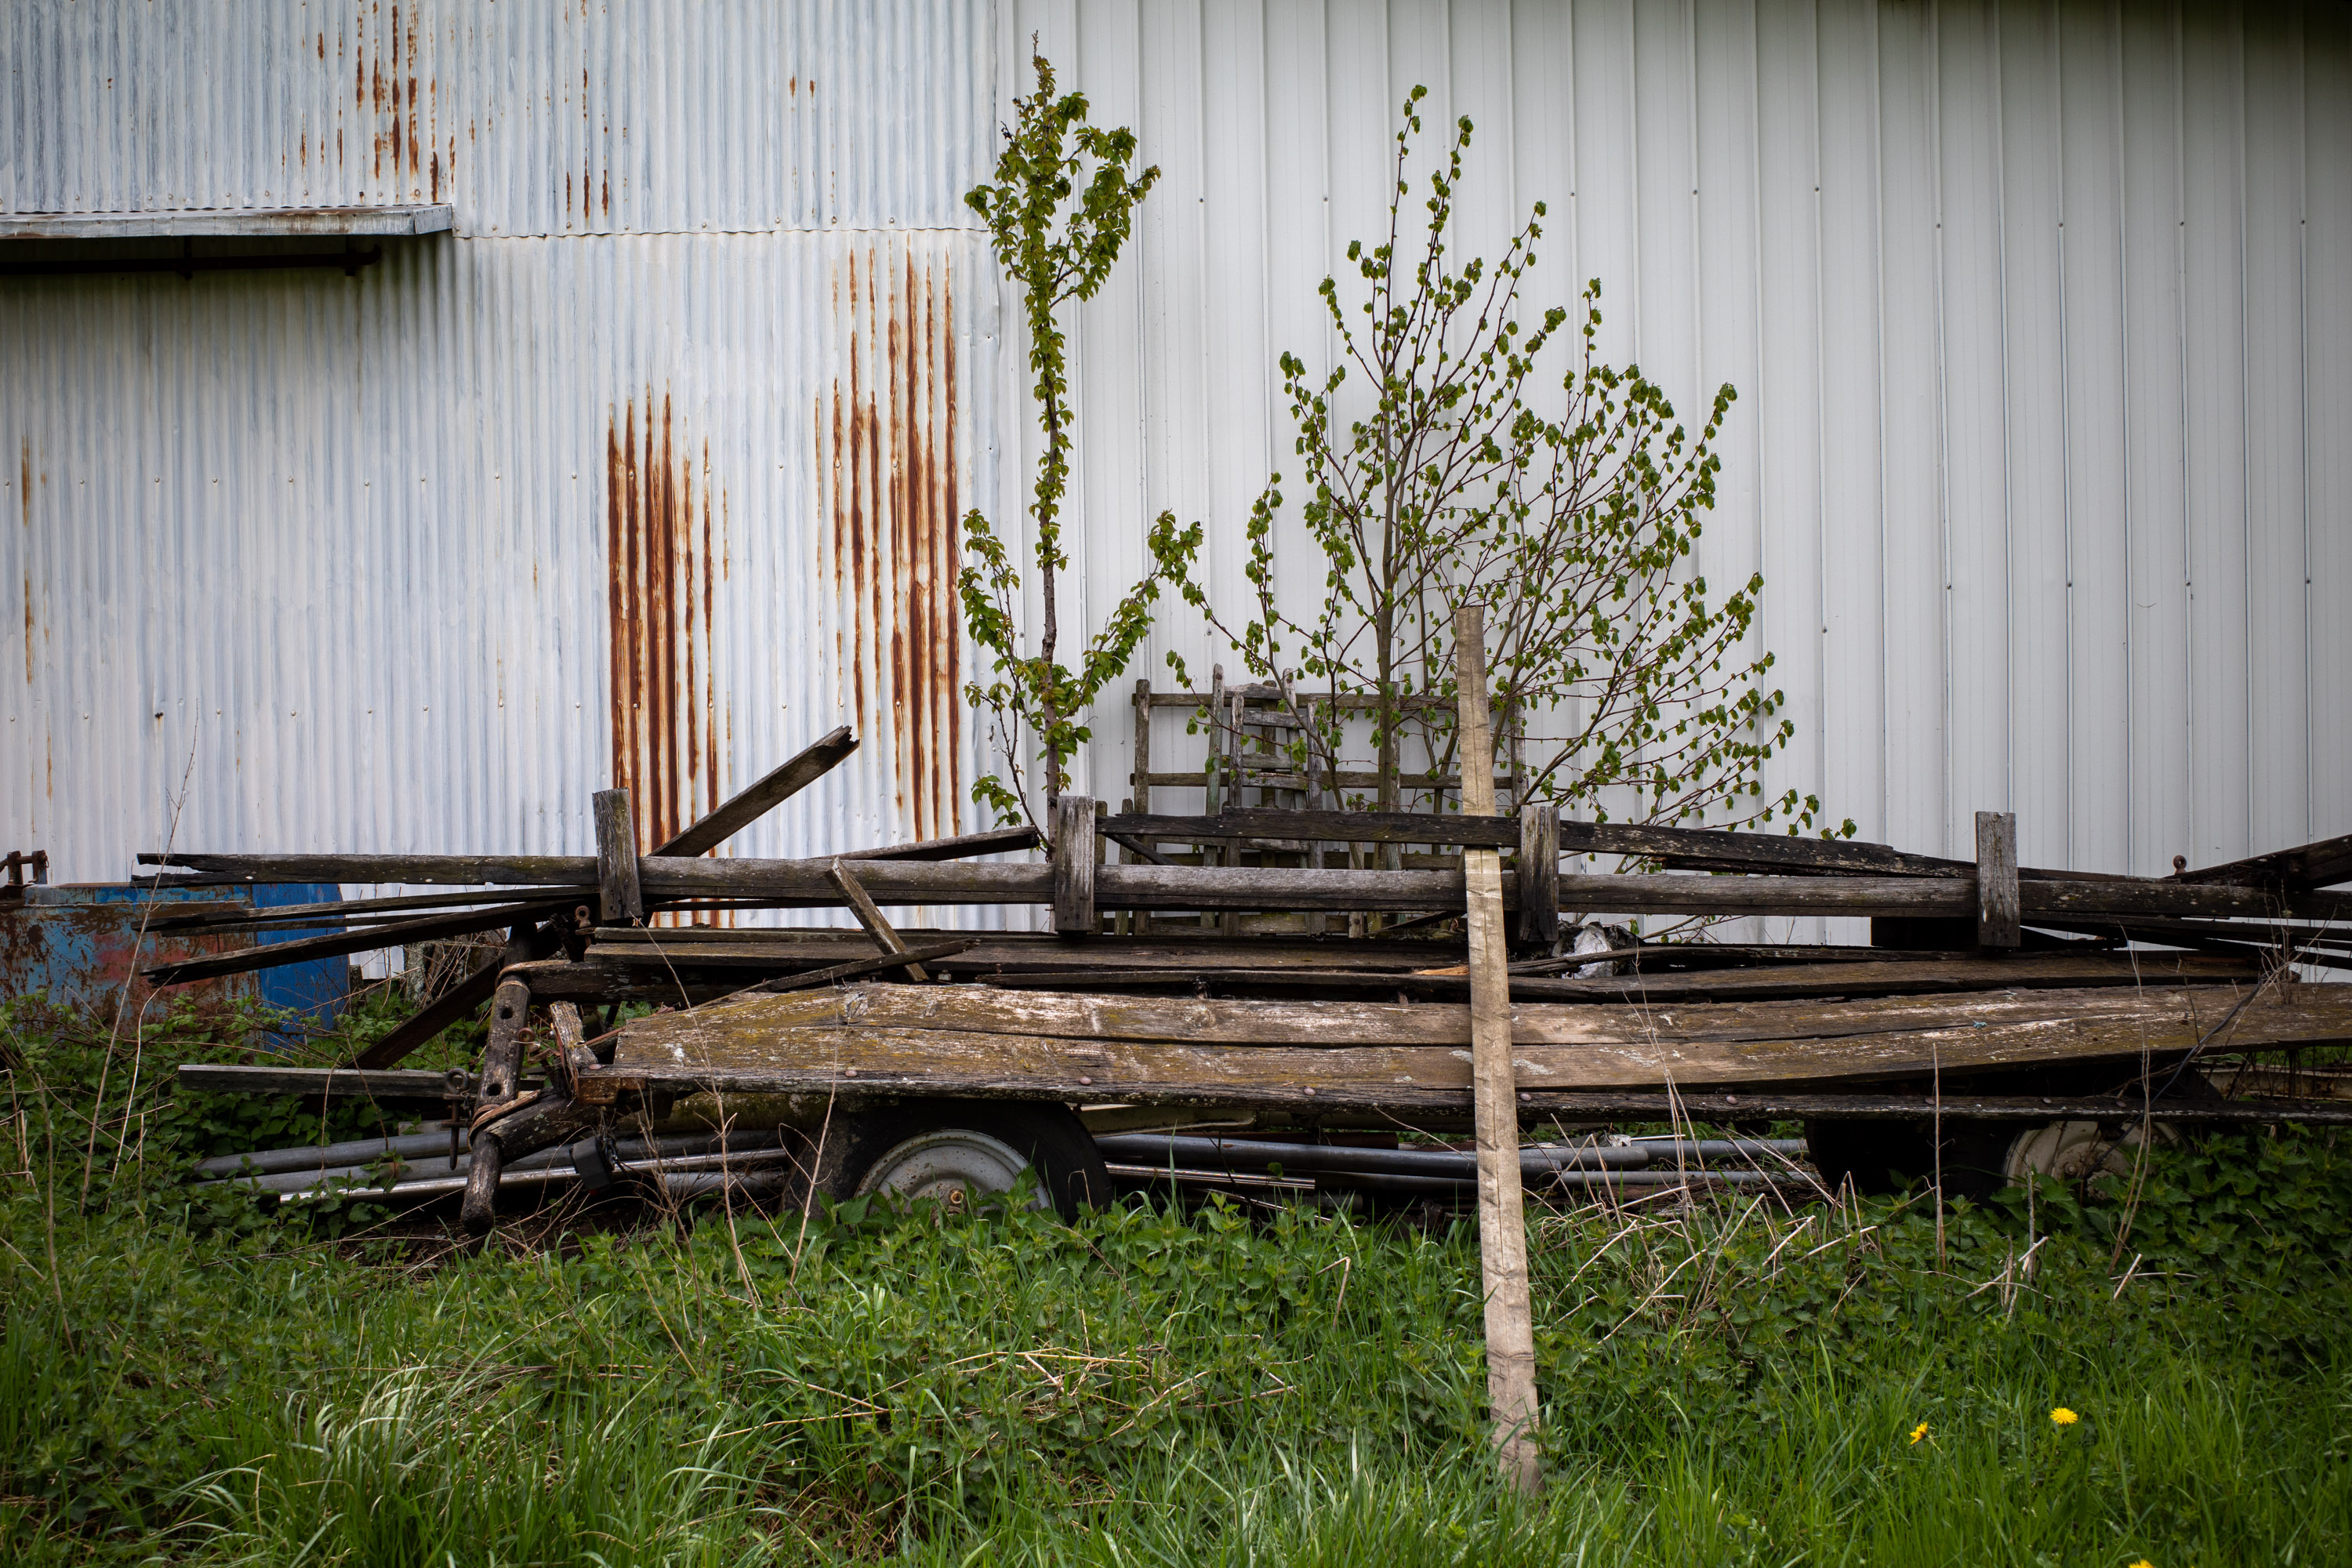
[[655, 493], [533, 117], [417, 561], [2040, 315]]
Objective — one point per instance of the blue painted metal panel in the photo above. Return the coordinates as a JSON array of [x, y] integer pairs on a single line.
[[81, 944], [317, 989]]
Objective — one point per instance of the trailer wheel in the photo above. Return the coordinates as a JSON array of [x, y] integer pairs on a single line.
[[958, 1151]]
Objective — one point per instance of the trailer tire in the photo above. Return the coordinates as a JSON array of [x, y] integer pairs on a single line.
[[867, 1150]]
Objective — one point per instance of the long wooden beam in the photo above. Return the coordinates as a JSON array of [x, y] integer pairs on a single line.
[[330, 1083], [397, 933], [721, 1048], [803, 883], [1897, 977], [1667, 846], [963, 846], [2163, 1016], [2318, 865], [1859, 1107]]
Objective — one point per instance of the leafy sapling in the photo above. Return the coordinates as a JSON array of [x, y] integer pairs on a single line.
[[1058, 212], [1439, 468]]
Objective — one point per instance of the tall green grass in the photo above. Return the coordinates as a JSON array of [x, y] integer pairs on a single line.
[[428, 1468], [1737, 1382]]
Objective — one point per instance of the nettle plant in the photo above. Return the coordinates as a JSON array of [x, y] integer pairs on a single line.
[[1435, 478], [1059, 211]]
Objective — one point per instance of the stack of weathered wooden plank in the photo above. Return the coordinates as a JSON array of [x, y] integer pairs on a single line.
[[1346, 1062], [1992, 992], [546, 903]]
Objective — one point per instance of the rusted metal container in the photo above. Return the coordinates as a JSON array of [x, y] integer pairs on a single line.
[[82, 946]]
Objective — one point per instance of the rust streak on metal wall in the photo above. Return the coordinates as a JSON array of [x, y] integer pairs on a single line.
[[887, 442], [25, 500], [661, 575], [396, 93]]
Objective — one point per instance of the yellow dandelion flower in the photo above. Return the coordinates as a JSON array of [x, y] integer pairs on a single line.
[[2064, 1416], [2143, 1563], [1918, 1432]]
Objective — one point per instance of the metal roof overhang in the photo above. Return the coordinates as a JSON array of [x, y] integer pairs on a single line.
[[437, 217]]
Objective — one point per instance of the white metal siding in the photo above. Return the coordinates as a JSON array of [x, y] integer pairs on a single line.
[[2040, 317], [419, 558], [533, 117]]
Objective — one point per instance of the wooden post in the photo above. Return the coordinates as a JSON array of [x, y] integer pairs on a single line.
[[1212, 781], [1230, 922], [861, 904], [501, 1069], [1142, 777], [616, 860], [1540, 874], [1102, 857], [1997, 893], [1502, 1216], [1073, 867]]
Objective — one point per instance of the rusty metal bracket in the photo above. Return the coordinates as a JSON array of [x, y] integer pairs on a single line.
[[17, 862]]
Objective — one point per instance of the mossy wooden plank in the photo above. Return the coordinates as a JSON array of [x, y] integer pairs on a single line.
[[886, 1039], [2313, 1013]]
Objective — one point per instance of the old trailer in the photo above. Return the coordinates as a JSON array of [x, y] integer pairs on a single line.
[[1236, 970]]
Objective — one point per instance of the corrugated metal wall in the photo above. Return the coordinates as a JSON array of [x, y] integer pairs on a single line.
[[654, 490], [2041, 316], [533, 117]]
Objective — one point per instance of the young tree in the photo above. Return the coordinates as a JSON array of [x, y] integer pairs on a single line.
[[1058, 212], [1443, 481]]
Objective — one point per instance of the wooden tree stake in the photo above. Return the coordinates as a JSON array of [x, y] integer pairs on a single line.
[[1502, 1215]]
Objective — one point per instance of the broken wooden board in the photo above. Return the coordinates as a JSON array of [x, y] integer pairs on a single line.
[[999, 952], [2312, 1013], [1359, 1056], [803, 883]]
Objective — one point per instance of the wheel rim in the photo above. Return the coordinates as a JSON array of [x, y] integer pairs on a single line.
[[954, 1168], [2068, 1151]]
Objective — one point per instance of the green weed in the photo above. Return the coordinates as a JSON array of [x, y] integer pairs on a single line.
[[1737, 1382]]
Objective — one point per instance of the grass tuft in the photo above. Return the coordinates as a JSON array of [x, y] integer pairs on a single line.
[[1731, 1382]]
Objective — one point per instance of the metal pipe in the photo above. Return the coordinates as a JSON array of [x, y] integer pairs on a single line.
[[1381, 1181], [1254, 1154], [1666, 1147], [324, 1156], [1437, 1187], [634, 1153], [717, 1166]]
